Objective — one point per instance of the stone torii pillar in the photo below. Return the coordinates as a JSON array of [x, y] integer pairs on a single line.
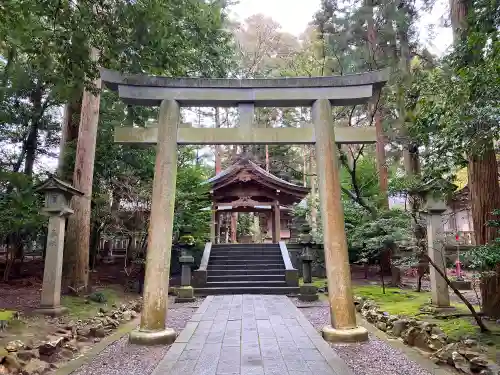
[[320, 93], [153, 329], [338, 271]]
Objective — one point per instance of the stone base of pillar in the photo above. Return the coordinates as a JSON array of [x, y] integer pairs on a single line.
[[462, 284], [353, 335], [185, 294], [51, 311], [308, 293], [442, 309], [165, 337]]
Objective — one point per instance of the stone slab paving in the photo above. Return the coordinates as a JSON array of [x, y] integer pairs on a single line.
[[250, 335]]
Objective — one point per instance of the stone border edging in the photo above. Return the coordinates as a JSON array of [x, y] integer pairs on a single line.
[[75, 364], [412, 353]]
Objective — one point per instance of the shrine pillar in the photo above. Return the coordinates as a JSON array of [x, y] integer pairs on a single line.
[[343, 317], [213, 223], [218, 223], [277, 221], [152, 330]]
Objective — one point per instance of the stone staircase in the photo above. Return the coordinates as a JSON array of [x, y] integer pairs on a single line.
[[246, 269]]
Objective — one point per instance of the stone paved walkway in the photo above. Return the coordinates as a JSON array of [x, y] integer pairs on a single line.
[[250, 335]]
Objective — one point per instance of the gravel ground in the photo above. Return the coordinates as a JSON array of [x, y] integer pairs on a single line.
[[374, 357], [123, 358]]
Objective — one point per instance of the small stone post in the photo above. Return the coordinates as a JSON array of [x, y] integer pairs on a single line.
[[307, 292], [57, 197], [185, 293], [342, 313]]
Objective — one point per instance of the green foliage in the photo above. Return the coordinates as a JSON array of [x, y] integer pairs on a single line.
[[390, 229], [19, 206], [245, 224], [98, 297], [457, 107], [487, 257]]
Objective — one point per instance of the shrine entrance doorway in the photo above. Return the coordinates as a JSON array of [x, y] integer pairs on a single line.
[[318, 93]]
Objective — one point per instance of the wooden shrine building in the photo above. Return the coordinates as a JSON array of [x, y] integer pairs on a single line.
[[246, 187]]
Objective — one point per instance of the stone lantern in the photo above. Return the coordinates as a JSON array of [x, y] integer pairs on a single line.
[[58, 196], [186, 293], [307, 291], [434, 205]]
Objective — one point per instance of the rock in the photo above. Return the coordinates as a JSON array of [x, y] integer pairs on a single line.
[[97, 339], [66, 353], [460, 362], [437, 331], [127, 315], [35, 366], [410, 335], [103, 309], [477, 364], [135, 314], [437, 342], [11, 363], [84, 331], [382, 326], [368, 304], [359, 307], [27, 355], [426, 326], [50, 347], [33, 344], [97, 332], [112, 322], [136, 306], [14, 346], [412, 322], [66, 335], [444, 355], [358, 300], [422, 341], [72, 345], [470, 354], [393, 318], [398, 327], [470, 343]]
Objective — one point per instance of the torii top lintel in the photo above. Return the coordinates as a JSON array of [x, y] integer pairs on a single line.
[[269, 92]]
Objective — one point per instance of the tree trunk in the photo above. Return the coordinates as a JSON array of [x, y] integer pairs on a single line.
[[490, 293], [313, 210], [482, 168], [69, 133], [76, 261], [32, 139], [218, 164], [484, 193], [374, 108]]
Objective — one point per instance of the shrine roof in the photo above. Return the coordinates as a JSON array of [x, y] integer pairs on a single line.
[[257, 174]]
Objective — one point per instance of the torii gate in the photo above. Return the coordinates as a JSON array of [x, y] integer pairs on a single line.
[[318, 92]]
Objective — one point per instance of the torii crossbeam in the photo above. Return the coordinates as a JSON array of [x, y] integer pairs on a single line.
[[320, 93]]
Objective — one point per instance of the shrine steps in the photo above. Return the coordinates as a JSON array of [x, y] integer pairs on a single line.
[[246, 269]]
